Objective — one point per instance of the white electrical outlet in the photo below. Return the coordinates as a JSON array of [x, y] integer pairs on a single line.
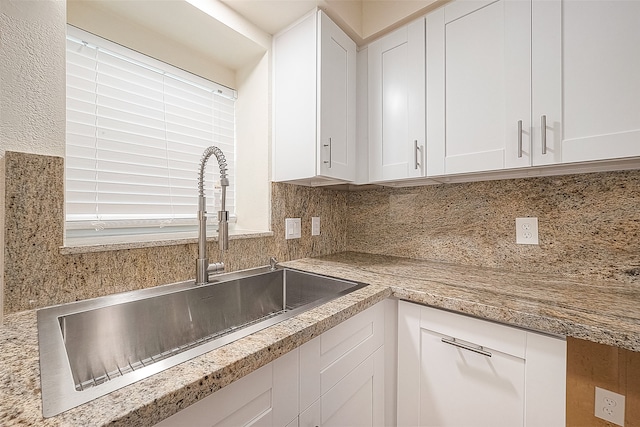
[[315, 226], [609, 406], [292, 228], [527, 231]]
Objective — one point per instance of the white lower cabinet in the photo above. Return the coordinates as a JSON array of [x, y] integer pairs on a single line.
[[342, 373], [336, 379], [265, 397], [454, 370]]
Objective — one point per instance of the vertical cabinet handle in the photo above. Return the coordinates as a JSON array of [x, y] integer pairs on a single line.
[[543, 133], [416, 162], [519, 138], [328, 161]]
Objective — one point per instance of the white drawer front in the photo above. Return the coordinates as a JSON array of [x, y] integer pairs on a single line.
[[473, 331]]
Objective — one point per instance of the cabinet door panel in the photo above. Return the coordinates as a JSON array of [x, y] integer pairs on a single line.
[[483, 86], [347, 345], [601, 61], [586, 63], [487, 89], [245, 402], [358, 399], [295, 102], [397, 104], [312, 417], [337, 109], [464, 379]]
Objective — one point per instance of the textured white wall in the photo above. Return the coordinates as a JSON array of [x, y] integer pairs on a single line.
[[32, 76], [32, 85]]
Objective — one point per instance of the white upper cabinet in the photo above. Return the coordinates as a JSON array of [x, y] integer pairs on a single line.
[[500, 72], [396, 78], [478, 86], [586, 63], [314, 103]]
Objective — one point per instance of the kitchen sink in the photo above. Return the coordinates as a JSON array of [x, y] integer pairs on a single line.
[[93, 347]]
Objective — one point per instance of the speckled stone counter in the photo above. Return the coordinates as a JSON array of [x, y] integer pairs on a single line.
[[604, 312]]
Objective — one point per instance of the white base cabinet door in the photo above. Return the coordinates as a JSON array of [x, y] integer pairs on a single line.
[[342, 373], [266, 397], [454, 370], [358, 398]]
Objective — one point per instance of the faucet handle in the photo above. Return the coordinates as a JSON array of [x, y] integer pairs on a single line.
[[273, 263]]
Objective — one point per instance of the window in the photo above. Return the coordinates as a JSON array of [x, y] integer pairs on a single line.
[[136, 129]]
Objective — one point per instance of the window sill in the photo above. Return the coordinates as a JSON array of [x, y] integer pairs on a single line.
[[118, 243]]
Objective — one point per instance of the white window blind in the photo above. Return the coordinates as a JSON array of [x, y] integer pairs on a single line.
[[136, 129]]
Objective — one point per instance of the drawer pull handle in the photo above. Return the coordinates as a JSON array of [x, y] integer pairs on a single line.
[[479, 349]]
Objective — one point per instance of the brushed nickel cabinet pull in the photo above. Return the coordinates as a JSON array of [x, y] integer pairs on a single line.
[[519, 138], [416, 162], [479, 349], [543, 133]]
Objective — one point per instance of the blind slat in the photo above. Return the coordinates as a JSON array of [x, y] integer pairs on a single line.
[[135, 135]]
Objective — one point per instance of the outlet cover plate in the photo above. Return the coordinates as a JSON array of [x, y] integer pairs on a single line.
[[609, 406], [527, 231]]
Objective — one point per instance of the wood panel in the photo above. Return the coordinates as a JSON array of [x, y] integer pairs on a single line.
[[590, 365]]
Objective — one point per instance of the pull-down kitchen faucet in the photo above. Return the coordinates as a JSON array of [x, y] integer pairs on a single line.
[[203, 268]]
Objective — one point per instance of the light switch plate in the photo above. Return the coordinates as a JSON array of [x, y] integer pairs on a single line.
[[292, 228], [315, 226], [527, 231]]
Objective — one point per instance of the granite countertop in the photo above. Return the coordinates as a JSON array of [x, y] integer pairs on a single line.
[[603, 312]]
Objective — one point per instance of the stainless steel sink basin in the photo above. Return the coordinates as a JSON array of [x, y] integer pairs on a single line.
[[90, 348]]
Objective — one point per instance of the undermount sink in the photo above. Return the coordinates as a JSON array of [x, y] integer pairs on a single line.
[[93, 347]]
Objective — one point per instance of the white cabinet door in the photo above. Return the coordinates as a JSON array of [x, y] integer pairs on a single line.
[[266, 397], [586, 64], [397, 104], [455, 370], [314, 108], [478, 82], [358, 398], [337, 102], [342, 373], [463, 388]]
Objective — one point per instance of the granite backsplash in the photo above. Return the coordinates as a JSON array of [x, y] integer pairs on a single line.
[[38, 275], [589, 226]]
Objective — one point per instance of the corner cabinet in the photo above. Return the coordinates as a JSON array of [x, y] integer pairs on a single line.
[[514, 84], [396, 80], [314, 93], [456, 370]]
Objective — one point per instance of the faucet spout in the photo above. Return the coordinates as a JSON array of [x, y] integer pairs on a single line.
[[203, 268]]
